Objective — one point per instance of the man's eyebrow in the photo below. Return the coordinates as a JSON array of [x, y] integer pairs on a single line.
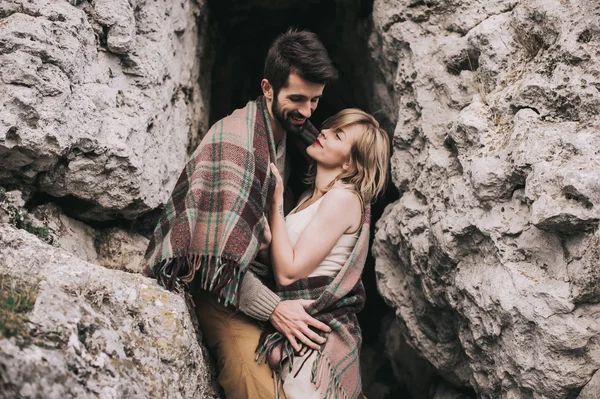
[[296, 96], [302, 96]]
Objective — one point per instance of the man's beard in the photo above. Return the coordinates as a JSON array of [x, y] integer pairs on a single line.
[[286, 123]]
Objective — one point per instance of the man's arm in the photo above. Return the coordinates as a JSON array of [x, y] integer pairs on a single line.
[[255, 299], [288, 317]]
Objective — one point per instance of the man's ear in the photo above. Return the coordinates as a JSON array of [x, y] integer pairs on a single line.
[[267, 89]]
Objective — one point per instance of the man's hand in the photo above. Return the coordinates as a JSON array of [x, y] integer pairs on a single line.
[[290, 319]]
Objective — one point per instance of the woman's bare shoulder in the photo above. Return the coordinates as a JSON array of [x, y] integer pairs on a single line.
[[341, 201], [340, 193]]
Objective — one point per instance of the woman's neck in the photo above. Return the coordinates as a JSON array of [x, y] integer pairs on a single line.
[[323, 178]]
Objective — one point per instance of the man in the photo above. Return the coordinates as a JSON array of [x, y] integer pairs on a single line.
[[213, 225]]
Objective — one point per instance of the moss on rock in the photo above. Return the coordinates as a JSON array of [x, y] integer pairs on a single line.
[[17, 298]]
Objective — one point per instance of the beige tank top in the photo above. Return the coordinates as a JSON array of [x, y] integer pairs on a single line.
[[296, 222]]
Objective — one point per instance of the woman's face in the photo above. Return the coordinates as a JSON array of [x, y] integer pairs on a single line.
[[332, 147]]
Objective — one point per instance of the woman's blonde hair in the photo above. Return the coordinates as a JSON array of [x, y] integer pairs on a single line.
[[369, 156]]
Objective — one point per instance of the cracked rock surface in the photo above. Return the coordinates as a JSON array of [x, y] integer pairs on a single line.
[[101, 100], [95, 332], [114, 247], [490, 256]]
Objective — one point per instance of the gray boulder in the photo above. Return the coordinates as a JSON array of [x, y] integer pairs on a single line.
[[101, 100], [92, 332], [490, 256]]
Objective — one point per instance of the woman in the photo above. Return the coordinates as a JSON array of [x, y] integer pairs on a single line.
[[318, 252]]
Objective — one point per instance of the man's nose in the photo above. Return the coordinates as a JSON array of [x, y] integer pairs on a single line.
[[305, 110]]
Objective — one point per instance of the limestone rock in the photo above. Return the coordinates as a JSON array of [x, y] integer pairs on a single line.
[[101, 100], [121, 249], [10, 201], [13, 212], [113, 247], [490, 256], [95, 332], [592, 388], [69, 234]]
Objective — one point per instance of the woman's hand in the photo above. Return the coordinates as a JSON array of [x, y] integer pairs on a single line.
[[277, 200], [264, 240]]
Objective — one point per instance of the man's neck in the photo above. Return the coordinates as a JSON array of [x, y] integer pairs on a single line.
[[278, 132]]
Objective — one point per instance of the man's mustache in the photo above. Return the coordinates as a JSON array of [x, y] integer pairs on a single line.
[[296, 114]]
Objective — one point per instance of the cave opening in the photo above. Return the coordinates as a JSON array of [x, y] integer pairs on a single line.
[[240, 35]]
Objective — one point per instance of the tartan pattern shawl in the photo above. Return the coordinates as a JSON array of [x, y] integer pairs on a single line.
[[336, 371], [209, 230]]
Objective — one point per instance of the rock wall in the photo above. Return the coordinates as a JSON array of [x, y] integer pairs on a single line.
[[94, 332], [490, 257], [100, 104], [101, 100]]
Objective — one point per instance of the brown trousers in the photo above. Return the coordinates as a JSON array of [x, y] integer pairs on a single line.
[[232, 338]]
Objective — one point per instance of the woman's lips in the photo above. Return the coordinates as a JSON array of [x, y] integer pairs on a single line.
[[317, 142]]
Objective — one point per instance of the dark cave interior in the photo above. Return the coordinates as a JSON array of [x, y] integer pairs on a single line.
[[241, 33]]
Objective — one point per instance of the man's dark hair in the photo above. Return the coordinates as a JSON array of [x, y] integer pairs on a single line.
[[301, 52]]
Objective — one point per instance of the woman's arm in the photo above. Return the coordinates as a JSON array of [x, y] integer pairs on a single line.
[[338, 211]]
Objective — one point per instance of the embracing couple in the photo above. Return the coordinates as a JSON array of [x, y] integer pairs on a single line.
[[268, 230]]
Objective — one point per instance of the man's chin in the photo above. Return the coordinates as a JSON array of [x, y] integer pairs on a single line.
[[294, 129]]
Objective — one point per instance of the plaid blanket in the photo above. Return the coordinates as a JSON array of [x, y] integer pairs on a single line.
[[337, 300], [210, 228]]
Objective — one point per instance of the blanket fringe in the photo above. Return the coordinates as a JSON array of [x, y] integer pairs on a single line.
[[264, 353], [323, 372], [220, 275]]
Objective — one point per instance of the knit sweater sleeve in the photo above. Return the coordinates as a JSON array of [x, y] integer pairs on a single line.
[[255, 299]]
